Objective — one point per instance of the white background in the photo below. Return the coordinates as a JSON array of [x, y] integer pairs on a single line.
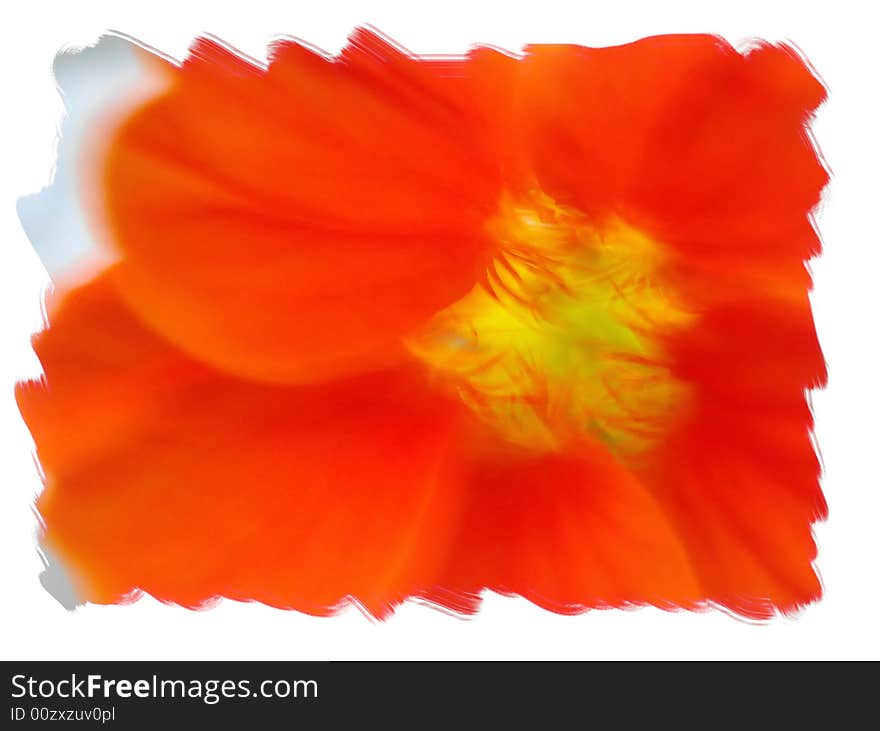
[[835, 36]]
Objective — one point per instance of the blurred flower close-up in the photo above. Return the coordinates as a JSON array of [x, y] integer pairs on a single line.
[[374, 326]]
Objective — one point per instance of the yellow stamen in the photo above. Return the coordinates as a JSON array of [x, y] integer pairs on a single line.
[[562, 339]]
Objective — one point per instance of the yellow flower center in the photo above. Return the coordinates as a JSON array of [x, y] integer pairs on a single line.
[[563, 338]]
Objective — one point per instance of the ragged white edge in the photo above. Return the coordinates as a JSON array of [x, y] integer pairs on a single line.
[[112, 75], [813, 216], [334, 57], [255, 62], [799, 52], [808, 126], [434, 56], [744, 47]]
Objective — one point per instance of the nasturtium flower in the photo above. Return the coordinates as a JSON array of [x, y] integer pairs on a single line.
[[378, 326]]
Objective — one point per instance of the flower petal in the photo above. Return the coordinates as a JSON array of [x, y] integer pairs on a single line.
[[163, 476], [685, 137], [739, 478], [567, 531], [290, 224]]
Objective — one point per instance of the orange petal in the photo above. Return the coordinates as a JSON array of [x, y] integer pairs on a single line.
[[163, 476], [290, 224]]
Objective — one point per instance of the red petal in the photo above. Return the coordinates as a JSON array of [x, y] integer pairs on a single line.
[[740, 477], [682, 136], [568, 532]]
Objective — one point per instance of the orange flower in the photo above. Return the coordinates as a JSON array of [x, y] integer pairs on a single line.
[[380, 326]]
